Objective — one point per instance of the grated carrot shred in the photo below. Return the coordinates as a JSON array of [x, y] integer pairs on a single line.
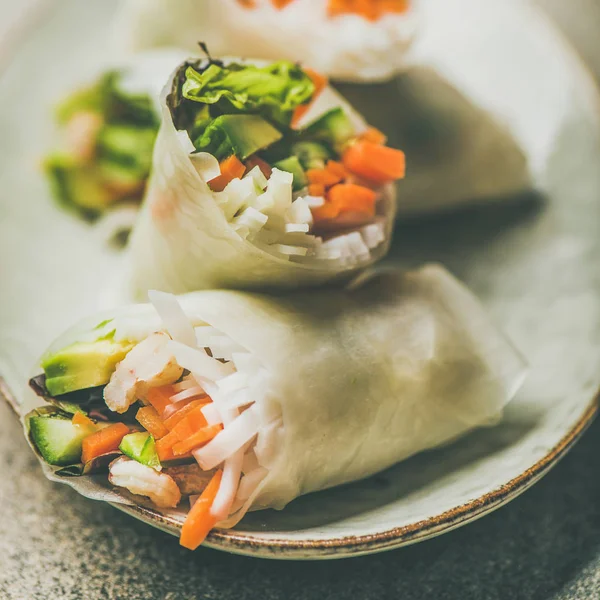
[[199, 521]]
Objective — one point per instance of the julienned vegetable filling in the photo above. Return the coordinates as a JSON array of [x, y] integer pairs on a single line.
[[253, 121], [371, 10], [109, 136], [146, 414]]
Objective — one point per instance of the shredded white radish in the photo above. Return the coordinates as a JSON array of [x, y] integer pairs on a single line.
[[314, 201], [173, 317], [300, 212], [220, 345], [297, 227], [185, 384], [232, 471], [228, 441], [172, 408], [211, 414], [250, 462], [249, 482], [199, 362], [290, 250], [223, 347], [191, 392], [373, 234], [244, 361], [251, 218], [237, 194], [357, 245], [232, 386], [257, 176], [205, 335], [233, 382], [236, 400]]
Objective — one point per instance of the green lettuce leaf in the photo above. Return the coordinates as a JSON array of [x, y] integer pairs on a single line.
[[273, 92]]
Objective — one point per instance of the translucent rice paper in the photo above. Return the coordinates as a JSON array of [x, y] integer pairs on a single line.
[[184, 242], [362, 378], [457, 152], [347, 47], [146, 73]]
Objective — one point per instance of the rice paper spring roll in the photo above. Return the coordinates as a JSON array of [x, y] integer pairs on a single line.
[[108, 128], [461, 151], [263, 398], [263, 177], [347, 40]]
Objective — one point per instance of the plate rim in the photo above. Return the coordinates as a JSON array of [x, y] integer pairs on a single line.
[[355, 545]]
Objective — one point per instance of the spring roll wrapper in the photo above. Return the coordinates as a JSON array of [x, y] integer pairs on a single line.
[[362, 379], [182, 241], [347, 47], [458, 152]]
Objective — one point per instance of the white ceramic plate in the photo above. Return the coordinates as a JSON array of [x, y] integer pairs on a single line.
[[533, 263]]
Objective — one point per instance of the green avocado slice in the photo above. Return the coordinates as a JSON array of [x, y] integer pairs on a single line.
[[83, 365], [241, 135], [334, 127]]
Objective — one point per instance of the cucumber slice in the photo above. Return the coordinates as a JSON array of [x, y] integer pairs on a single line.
[[311, 155], [292, 165], [140, 446], [57, 439], [334, 127]]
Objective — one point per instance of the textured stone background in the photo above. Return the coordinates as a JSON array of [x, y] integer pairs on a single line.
[[545, 545]]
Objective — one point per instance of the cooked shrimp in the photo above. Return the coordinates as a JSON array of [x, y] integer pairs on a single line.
[[144, 481], [81, 134], [148, 365]]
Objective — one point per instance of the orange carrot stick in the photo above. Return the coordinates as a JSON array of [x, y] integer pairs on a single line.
[[336, 168], [347, 197], [199, 521], [368, 9], [83, 420], [159, 397], [325, 177], [372, 134], [103, 441], [164, 446], [150, 421], [194, 421], [374, 162], [197, 439], [231, 168], [316, 189], [183, 412]]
